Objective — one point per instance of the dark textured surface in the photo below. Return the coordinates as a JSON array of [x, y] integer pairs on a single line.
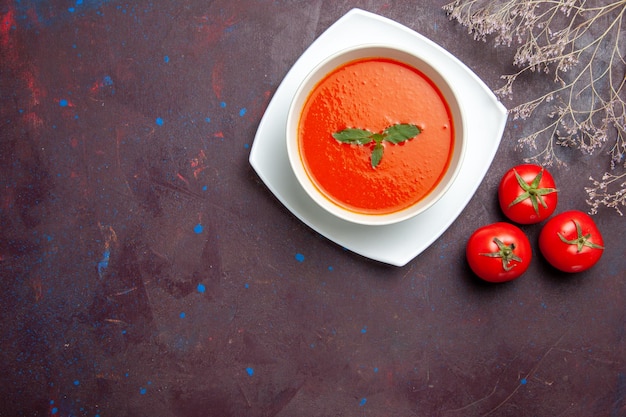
[[147, 271]]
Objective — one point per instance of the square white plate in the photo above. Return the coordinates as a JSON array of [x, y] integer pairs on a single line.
[[398, 243]]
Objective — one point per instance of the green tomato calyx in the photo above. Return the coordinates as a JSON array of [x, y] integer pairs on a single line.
[[581, 240], [532, 191], [506, 252]]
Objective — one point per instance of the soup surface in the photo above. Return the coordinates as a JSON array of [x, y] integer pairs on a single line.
[[375, 94]]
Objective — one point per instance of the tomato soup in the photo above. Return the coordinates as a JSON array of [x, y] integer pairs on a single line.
[[375, 94]]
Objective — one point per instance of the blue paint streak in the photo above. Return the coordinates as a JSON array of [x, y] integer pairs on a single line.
[[30, 13], [523, 381], [55, 410], [63, 103], [142, 391], [299, 257], [159, 121], [166, 59], [104, 263], [242, 112], [201, 288], [364, 329], [250, 371], [362, 402], [182, 315], [223, 104], [198, 228], [77, 382]]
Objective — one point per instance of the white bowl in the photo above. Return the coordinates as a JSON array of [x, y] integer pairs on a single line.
[[446, 88]]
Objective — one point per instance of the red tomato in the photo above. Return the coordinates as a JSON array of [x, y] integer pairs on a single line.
[[527, 194], [498, 252], [571, 241]]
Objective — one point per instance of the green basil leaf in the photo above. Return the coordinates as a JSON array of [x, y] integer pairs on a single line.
[[354, 136], [378, 137], [377, 154], [395, 134], [401, 132]]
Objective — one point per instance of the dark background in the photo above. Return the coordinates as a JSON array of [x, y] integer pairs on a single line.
[[147, 271]]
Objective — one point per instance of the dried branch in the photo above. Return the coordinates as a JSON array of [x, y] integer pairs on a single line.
[[587, 107]]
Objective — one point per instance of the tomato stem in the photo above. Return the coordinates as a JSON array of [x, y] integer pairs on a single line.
[[506, 252], [581, 240], [532, 191]]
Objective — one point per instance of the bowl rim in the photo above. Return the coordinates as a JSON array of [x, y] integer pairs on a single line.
[[325, 67]]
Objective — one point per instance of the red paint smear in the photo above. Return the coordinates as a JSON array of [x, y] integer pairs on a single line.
[[11, 58], [183, 179], [8, 21], [31, 82], [219, 135], [198, 171], [211, 32], [199, 159], [198, 164], [8, 41], [217, 79], [33, 120], [95, 87]]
